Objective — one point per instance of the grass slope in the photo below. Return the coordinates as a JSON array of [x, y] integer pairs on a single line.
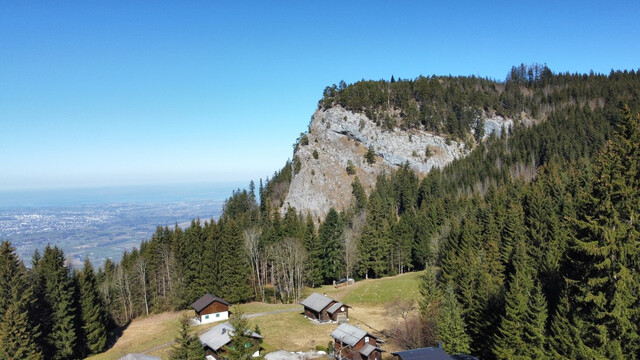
[[371, 301]]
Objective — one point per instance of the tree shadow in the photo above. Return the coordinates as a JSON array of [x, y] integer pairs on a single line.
[[114, 334]]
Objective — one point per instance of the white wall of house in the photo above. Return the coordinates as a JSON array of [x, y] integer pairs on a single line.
[[256, 354], [209, 318]]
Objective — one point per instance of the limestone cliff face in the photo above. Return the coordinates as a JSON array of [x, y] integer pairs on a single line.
[[338, 136]]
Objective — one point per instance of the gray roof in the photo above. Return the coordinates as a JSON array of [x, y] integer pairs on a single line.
[[367, 349], [335, 307], [139, 357], [348, 334], [205, 301], [316, 302], [430, 353], [219, 336]]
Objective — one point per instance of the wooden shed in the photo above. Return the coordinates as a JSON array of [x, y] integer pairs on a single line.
[[322, 308]]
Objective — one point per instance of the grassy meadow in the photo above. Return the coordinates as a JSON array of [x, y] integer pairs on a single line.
[[372, 303]]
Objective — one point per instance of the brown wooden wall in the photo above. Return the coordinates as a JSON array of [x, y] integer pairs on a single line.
[[335, 314], [214, 307]]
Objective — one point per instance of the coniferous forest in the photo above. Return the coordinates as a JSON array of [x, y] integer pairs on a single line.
[[531, 244]]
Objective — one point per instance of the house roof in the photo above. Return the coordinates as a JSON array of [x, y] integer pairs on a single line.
[[133, 356], [367, 349], [219, 336], [335, 307], [349, 334], [316, 302], [430, 353], [205, 301]]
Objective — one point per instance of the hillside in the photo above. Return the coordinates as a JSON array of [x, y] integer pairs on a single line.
[[371, 301]]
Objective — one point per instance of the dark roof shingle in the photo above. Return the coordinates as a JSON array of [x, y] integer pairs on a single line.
[[205, 301], [430, 353]]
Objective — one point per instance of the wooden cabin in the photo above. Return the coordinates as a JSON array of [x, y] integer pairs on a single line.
[[322, 308], [215, 340], [353, 343], [210, 308]]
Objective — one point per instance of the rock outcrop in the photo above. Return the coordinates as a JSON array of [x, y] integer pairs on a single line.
[[337, 136]]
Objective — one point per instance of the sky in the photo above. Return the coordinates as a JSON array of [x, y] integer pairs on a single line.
[[110, 93]]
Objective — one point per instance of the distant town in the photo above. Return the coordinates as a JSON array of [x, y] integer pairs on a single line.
[[96, 231]]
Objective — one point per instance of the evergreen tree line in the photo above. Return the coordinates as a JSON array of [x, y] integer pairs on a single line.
[[452, 105], [49, 311], [546, 269]]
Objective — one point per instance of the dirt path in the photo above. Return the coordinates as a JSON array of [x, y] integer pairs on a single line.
[[248, 316]]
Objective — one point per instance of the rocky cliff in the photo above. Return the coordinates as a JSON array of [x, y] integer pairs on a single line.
[[337, 136]]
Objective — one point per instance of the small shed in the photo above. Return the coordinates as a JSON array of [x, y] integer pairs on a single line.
[[210, 308], [322, 308], [353, 343], [214, 340]]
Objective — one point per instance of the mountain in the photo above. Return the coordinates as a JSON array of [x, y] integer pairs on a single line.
[[338, 136]]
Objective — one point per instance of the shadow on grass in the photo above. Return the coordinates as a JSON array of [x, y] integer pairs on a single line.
[[115, 333]]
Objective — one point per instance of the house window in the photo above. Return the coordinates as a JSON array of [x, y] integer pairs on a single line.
[[206, 317], [342, 308], [218, 315], [366, 339]]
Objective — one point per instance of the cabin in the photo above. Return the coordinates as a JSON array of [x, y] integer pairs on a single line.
[[430, 353], [210, 308], [353, 343], [214, 341], [322, 308]]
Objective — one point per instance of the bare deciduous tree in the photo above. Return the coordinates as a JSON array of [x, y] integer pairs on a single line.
[[288, 260], [351, 242], [252, 246]]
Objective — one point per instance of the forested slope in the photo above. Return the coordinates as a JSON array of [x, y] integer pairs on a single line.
[[534, 235]]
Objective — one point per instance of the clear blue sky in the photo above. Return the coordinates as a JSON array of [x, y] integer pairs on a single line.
[[97, 93]]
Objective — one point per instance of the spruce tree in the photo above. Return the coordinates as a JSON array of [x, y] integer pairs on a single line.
[[93, 311], [330, 236], [18, 332], [61, 338], [187, 345], [242, 346], [451, 327], [522, 328], [235, 271], [605, 252]]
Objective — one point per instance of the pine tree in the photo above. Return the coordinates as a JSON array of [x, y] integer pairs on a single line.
[[606, 250], [93, 311], [235, 271], [18, 332], [451, 327], [61, 338], [313, 246], [242, 345], [187, 346], [521, 332], [329, 234]]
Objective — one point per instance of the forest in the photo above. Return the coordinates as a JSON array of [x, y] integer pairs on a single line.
[[530, 244]]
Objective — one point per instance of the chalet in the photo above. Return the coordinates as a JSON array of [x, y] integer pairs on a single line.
[[430, 353], [352, 343], [210, 308], [321, 308], [214, 340]]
